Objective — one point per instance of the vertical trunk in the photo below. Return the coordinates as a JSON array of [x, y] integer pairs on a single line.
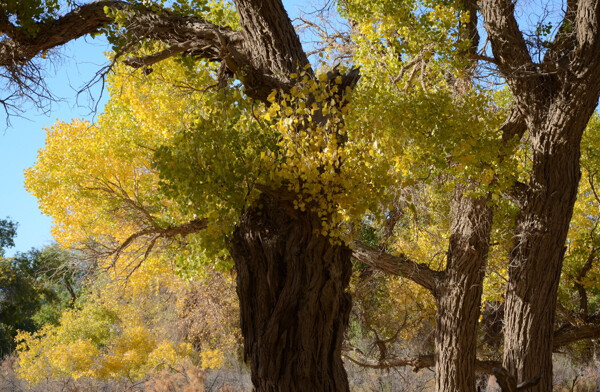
[[292, 284], [459, 295], [541, 231]]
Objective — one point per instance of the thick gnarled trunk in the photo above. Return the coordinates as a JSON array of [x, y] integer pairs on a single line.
[[458, 295], [292, 284]]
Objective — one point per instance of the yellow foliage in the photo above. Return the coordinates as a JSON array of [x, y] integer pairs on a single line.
[[211, 359], [116, 331]]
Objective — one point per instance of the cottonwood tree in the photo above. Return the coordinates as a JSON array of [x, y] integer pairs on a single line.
[[292, 263], [553, 101]]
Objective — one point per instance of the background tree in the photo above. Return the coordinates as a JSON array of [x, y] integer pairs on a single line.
[[8, 231], [34, 289]]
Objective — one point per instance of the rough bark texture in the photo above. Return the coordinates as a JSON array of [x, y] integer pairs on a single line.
[[292, 286], [556, 99], [537, 256], [291, 280], [270, 37], [457, 291], [458, 295]]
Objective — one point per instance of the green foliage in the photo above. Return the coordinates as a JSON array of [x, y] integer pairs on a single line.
[[379, 164], [26, 14], [212, 166], [115, 331], [8, 231], [33, 291]]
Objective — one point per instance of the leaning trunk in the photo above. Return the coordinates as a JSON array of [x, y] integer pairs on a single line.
[[291, 283], [541, 231], [459, 295]]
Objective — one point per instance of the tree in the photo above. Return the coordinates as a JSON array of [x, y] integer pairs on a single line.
[[33, 290], [8, 230], [292, 261], [114, 331]]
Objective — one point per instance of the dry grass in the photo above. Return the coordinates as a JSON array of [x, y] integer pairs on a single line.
[[568, 377]]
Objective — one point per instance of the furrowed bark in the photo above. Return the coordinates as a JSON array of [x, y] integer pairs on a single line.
[[245, 53], [537, 255], [590, 329], [291, 280], [458, 295], [142, 23], [510, 52], [556, 103], [294, 305], [457, 291], [419, 362]]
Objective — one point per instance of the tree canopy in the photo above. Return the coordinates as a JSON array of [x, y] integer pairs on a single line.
[[409, 146]]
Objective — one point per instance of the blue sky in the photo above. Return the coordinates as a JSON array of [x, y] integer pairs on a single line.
[[19, 143]]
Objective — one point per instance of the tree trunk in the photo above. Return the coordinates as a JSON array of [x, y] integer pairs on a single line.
[[291, 283], [458, 295], [541, 231]]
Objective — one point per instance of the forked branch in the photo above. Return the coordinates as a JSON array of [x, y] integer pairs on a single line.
[[156, 233]]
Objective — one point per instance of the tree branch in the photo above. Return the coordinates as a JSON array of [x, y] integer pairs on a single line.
[[188, 228], [508, 46], [86, 19], [583, 299], [507, 40], [397, 265], [513, 126], [508, 382], [418, 362], [587, 31], [182, 34], [470, 27], [573, 333], [561, 50]]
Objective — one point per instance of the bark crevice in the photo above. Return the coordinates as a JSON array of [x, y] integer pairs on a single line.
[[292, 283]]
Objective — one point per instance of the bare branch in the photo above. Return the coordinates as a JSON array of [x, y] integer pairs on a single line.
[[508, 382], [138, 62], [508, 46], [86, 19], [561, 49], [397, 265], [182, 34], [583, 299], [155, 233], [573, 333], [417, 363], [507, 40]]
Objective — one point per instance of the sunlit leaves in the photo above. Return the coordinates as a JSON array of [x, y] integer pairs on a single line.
[[211, 167], [118, 330], [407, 40]]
